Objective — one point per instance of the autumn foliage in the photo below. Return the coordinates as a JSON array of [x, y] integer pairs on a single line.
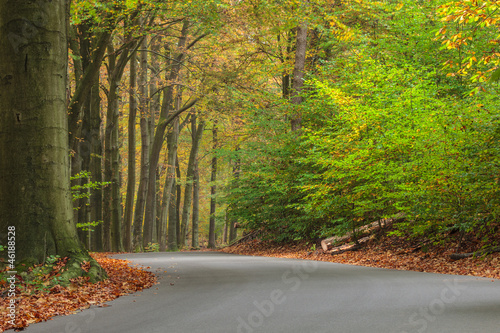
[[36, 303]]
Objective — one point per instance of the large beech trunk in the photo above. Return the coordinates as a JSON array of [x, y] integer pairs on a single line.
[[35, 196]]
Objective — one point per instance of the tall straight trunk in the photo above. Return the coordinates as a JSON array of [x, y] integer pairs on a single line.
[[35, 198], [188, 189], [169, 193], [96, 166], [213, 190], [236, 174], [178, 200], [116, 207], [145, 149], [173, 218], [80, 45], [112, 203], [195, 242], [154, 77], [129, 201], [224, 237], [298, 75]]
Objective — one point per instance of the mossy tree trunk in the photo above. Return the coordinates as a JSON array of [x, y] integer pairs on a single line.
[[35, 193]]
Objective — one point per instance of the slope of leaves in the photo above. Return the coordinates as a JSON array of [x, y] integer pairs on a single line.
[[34, 305], [390, 252]]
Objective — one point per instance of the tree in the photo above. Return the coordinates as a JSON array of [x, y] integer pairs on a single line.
[[34, 162], [213, 190], [298, 74]]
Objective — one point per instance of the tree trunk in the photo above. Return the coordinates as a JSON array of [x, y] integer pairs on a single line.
[[145, 151], [169, 193], [173, 218], [96, 165], [129, 201], [195, 243], [298, 75], [188, 189], [178, 192], [213, 191], [35, 196], [112, 206], [233, 232]]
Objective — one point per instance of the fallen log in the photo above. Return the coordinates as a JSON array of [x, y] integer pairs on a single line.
[[480, 253], [349, 247], [329, 243]]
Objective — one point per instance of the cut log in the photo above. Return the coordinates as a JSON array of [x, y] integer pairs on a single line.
[[349, 247], [329, 243], [480, 253]]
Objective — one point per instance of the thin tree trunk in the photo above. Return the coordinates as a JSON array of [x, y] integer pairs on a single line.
[[195, 242], [145, 152], [169, 193], [233, 232], [178, 200], [213, 191], [298, 75], [112, 206], [96, 165], [188, 189], [129, 201], [173, 218]]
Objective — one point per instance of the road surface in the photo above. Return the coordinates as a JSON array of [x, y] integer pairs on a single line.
[[205, 292]]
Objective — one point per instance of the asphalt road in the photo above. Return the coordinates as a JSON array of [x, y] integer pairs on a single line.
[[214, 292]]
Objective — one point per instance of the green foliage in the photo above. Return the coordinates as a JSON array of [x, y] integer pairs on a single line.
[[83, 191], [385, 131], [43, 277], [89, 225], [152, 247]]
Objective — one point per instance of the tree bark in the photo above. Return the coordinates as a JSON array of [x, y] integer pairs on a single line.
[[178, 192], [112, 207], [96, 165], [145, 151], [129, 201], [298, 75], [188, 189], [213, 190], [169, 193], [195, 241], [35, 194]]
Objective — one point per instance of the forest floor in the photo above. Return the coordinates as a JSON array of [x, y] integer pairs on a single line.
[[388, 252], [43, 300]]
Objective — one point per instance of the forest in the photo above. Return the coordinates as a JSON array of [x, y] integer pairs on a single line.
[[192, 123]]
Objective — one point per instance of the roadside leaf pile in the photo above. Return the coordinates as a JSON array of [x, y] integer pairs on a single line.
[[34, 305], [390, 252]]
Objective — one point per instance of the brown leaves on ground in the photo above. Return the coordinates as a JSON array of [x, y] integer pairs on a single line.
[[390, 253], [41, 306]]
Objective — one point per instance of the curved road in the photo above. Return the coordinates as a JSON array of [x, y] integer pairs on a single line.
[[209, 292]]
